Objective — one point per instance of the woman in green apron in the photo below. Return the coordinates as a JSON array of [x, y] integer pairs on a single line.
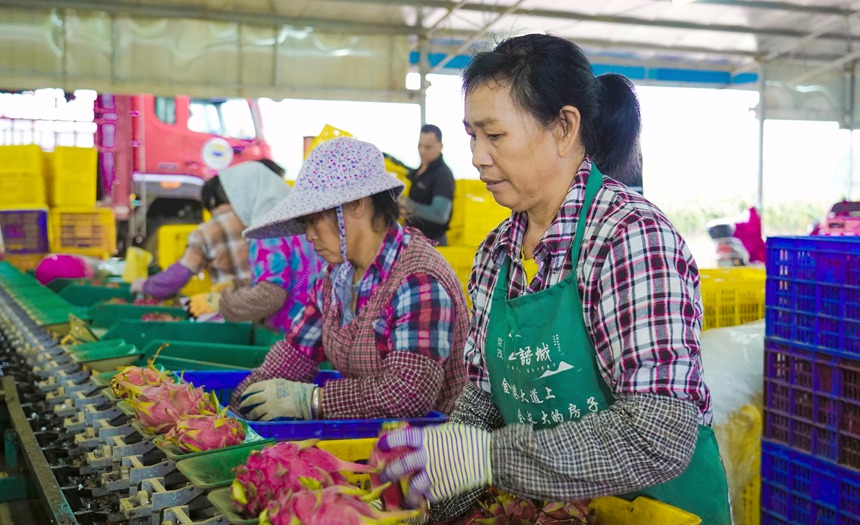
[[583, 351]]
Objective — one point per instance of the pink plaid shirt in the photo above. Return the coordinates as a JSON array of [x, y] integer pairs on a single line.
[[638, 282]]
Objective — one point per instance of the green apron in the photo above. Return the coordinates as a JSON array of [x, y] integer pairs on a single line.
[[543, 371]]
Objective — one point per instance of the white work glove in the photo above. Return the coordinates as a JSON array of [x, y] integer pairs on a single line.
[[277, 398], [446, 461]]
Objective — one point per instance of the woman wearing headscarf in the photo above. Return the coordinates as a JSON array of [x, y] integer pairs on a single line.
[[282, 268], [216, 246], [387, 311]]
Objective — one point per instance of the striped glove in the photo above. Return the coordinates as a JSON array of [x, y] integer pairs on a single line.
[[445, 461]]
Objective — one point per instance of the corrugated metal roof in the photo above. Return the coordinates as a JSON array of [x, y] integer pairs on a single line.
[[729, 35]]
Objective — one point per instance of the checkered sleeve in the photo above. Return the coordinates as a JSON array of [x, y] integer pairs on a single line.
[[646, 314], [640, 441], [406, 386], [415, 336], [296, 356], [194, 258]]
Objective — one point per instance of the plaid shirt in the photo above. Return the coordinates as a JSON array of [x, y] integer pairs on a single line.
[[638, 282], [398, 361], [218, 246], [419, 319], [642, 308]]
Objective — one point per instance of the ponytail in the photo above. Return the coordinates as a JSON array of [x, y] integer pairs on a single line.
[[614, 141]]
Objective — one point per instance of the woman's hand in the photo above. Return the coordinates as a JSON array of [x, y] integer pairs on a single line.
[[137, 286], [445, 461], [277, 398]]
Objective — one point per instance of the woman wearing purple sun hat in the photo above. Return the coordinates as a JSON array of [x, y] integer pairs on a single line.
[[387, 312]]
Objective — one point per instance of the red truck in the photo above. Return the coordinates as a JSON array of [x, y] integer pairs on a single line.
[[154, 152]]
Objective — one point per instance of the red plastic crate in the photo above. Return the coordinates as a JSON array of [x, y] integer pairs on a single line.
[[812, 402]]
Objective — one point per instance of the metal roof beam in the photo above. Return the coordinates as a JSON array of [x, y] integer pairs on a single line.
[[265, 19], [779, 6], [609, 19], [477, 36]]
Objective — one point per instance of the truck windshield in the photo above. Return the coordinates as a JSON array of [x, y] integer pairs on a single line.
[[229, 118]]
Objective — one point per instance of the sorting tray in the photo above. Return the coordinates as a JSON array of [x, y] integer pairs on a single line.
[[214, 468]]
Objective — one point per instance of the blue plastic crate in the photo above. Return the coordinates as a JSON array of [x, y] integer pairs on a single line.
[[812, 401], [834, 260], [813, 292], [224, 382], [800, 489], [25, 231]]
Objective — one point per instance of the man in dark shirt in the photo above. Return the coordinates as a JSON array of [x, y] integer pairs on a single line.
[[431, 196]]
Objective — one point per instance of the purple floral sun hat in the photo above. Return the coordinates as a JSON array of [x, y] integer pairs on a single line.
[[336, 172]]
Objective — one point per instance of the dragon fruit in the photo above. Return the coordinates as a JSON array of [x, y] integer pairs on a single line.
[[160, 316], [331, 505], [278, 470], [136, 376], [500, 508], [160, 407], [206, 432]]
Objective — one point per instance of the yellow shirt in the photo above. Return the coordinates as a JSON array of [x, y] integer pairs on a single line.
[[530, 266]]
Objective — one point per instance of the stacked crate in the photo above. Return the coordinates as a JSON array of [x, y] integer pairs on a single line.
[[23, 207], [811, 446], [48, 204]]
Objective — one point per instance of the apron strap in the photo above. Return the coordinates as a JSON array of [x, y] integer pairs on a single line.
[[595, 181]]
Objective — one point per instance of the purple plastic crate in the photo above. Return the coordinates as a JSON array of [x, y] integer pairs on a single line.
[[223, 382], [800, 489], [25, 231], [812, 402], [813, 292]]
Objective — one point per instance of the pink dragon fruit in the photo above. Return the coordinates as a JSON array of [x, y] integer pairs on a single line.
[[206, 432], [278, 470], [160, 407], [136, 376], [331, 505]]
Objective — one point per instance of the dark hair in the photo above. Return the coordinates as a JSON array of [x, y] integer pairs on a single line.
[[273, 166], [386, 207], [545, 73], [430, 128], [212, 194]]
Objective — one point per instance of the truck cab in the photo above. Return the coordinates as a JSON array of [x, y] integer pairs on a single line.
[[156, 152]]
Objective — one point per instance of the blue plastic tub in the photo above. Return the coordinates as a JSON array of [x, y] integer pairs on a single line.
[[800, 489], [224, 382]]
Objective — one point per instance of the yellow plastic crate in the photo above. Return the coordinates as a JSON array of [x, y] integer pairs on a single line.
[[642, 510], [752, 502], [25, 262], [172, 240], [71, 176], [480, 211], [460, 258], [352, 450], [22, 179], [84, 231], [732, 296]]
